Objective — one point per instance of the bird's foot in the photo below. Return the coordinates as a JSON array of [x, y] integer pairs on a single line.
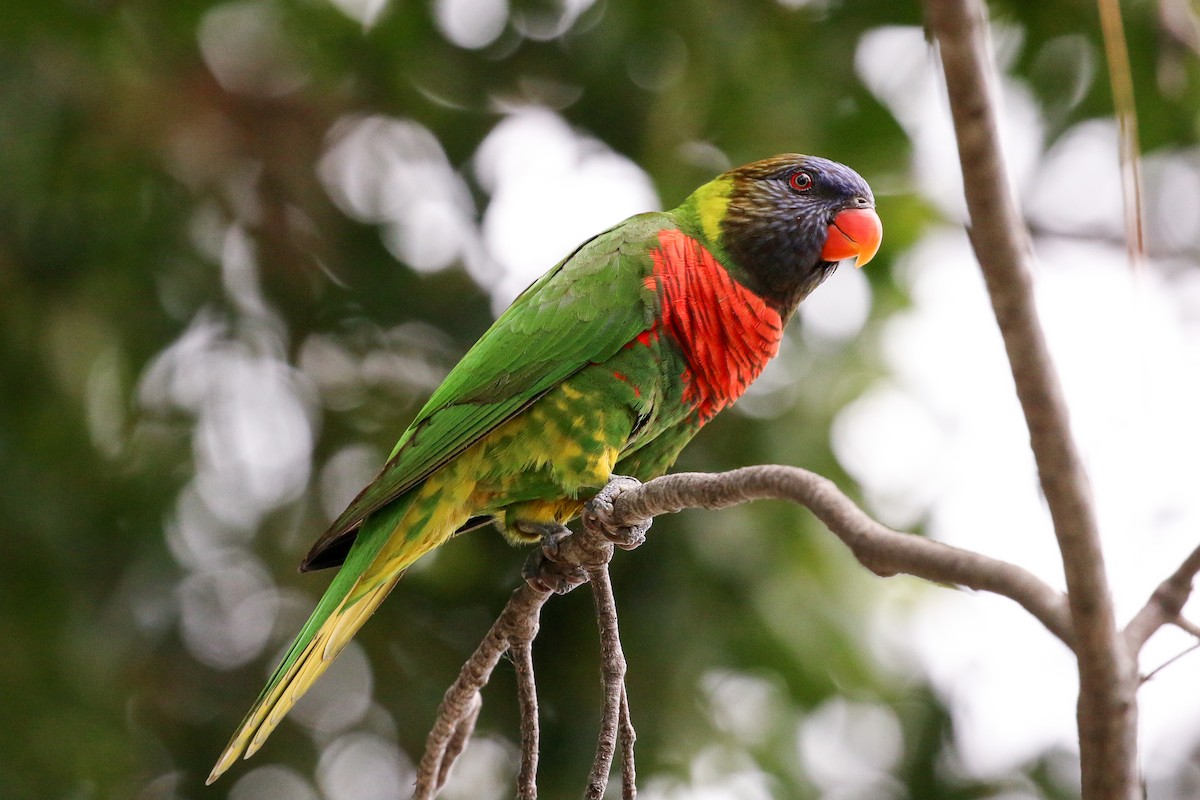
[[598, 514], [543, 570]]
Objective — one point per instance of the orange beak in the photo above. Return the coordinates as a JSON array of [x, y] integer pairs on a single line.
[[855, 233]]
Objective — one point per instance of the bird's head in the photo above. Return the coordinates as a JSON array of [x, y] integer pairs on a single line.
[[783, 223]]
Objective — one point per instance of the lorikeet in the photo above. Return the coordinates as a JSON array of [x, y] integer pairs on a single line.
[[608, 364]]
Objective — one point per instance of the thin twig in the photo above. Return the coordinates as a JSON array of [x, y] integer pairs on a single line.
[[459, 738], [1150, 675], [517, 623], [1102, 234], [527, 699], [612, 671], [628, 738], [1120, 78], [1165, 604], [1187, 626], [1107, 674]]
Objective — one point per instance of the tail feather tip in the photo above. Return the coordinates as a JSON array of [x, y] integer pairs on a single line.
[[219, 769]]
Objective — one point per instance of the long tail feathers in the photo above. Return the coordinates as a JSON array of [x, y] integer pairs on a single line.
[[355, 593]]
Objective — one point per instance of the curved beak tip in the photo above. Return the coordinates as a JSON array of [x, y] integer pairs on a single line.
[[855, 233]]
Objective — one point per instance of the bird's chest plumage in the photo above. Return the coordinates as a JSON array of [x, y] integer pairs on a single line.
[[725, 333], [710, 338]]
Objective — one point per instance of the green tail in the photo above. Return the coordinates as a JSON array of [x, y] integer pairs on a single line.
[[303, 663]]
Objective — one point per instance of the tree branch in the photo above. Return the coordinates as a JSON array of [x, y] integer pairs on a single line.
[[517, 625], [612, 672], [1149, 676], [530, 728], [1165, 605], [878, 548], [1120, 78], [1187, 626], [628, 737], [884, 551], [1107, 699]]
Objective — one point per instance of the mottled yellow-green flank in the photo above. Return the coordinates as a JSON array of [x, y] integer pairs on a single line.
[[552, 450]]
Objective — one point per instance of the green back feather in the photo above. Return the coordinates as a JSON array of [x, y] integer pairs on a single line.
[[582, 311]]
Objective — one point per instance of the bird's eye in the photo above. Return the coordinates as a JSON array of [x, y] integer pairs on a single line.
[[800, 181]]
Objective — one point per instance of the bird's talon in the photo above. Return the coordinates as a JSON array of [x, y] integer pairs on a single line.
[[552, 542], [598, 514], [629, 538], [546, 575]]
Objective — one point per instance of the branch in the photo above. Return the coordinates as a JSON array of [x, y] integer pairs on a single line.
[[1120, 77], [1107, 700], [622, 517], [1165, 605], [516, 627], [1187, 626], [628, 737], [1149, 676], [878, 548], [560, 560], [616, 707], [1102, 234], [530, 728]]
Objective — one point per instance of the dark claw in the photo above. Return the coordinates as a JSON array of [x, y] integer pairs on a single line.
[[546, 575], [552, 542], [630, 537], [597, 514], [542, 569]]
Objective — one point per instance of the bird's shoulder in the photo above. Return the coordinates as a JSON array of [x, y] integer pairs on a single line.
[[617, 258]]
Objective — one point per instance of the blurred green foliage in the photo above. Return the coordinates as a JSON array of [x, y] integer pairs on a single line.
[[121, 153]]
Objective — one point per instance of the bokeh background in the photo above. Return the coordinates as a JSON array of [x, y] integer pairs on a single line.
[[240, 242]]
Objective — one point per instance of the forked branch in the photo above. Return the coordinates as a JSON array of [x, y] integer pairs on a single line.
[[516, 628], [884, 551], [1165, 606], [1107, 675], [878, 548]]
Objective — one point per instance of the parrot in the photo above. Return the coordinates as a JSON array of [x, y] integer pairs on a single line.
[[607, 365]]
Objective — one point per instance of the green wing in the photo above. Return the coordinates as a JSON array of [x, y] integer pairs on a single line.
[[582, 311]]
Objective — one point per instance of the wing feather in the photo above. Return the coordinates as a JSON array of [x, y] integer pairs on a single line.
[[583, 311]]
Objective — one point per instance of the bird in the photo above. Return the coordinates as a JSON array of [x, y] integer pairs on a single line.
[[606, 365]]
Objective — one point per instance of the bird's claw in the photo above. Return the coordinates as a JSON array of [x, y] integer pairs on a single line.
[[547, 571], [542, 569], [598, 514], [547, 575]]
